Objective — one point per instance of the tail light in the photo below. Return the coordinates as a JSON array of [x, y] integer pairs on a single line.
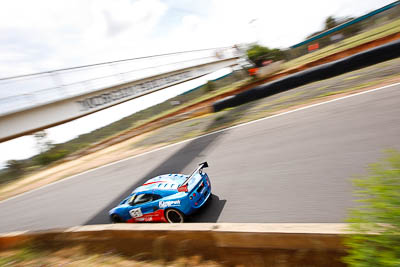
[[208, 180], [183, 188]]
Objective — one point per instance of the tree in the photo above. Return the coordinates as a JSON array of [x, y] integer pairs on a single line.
[[50, 156], [330, 22], [376, 221], [15, 167], [257, 54], [209, 86], [42, 141], [352, 29]]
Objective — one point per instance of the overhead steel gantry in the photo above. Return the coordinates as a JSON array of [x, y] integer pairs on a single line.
[[29, 103]]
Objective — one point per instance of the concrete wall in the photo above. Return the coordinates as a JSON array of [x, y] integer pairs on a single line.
[[230, 244]]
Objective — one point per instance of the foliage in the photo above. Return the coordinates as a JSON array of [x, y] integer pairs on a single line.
[[209, 86], [377, 220], [15, 167], [352, 29], [23, 254], [258, 53], [42, 141], [331, 22], [48, 157]]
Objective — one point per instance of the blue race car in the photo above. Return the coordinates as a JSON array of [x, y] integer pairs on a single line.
[[165, 198]]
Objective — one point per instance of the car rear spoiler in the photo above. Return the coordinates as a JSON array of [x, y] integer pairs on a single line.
[[183, 187]]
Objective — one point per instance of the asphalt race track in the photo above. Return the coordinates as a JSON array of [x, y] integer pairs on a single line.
[[289, 168]]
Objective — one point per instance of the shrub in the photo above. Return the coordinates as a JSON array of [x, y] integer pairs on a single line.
[[209, 86], [377, 220], [48, 157]]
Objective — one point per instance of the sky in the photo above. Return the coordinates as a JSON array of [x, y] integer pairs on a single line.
[[43, 35]]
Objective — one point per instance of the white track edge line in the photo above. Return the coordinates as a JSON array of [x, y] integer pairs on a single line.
[[201, 136]]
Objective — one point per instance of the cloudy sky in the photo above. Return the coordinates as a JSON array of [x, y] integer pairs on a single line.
[[48, 34], [43, 35]]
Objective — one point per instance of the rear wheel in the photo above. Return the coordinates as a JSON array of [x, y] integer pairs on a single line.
[[115, 219], [174, 216]]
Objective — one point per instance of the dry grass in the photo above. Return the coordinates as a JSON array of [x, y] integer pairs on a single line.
[[79, 257]]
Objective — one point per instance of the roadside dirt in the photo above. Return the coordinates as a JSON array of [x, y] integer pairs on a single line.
[[49, 175], [79, 256]]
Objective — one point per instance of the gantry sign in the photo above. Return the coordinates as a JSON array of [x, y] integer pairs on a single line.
[[47, 99]]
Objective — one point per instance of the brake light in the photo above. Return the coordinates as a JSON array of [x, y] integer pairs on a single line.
[[183, 188], [194, 194]]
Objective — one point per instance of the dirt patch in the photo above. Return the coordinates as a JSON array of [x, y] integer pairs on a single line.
[[78, 256], [105, 156]]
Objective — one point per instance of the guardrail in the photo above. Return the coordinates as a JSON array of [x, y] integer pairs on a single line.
[[325, 71], [230, 244]]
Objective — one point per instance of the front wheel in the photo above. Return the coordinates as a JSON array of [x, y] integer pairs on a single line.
[[115, 218], [174, 216]]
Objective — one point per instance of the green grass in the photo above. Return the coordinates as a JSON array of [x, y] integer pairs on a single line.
[[19, 256], [289, 96], [378, 213], [80, 256], [352, 77], [348, 43]]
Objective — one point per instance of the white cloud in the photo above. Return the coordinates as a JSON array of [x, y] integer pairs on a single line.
[[74, 32], [44, 34], [275, 23]]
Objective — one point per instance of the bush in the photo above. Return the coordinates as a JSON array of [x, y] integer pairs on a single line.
[[50, 156], [379, 213], [15, 167], [209, 86], [257, 54]]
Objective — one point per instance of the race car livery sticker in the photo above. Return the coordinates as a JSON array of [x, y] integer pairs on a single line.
[[136, 213], [167, 204], [202, 191]]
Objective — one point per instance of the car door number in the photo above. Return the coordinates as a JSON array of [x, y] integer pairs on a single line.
[[136, 213]]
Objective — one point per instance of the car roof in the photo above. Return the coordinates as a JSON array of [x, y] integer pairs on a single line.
[[162, 183]]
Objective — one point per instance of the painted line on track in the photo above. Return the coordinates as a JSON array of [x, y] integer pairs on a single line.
[[188, 140]]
